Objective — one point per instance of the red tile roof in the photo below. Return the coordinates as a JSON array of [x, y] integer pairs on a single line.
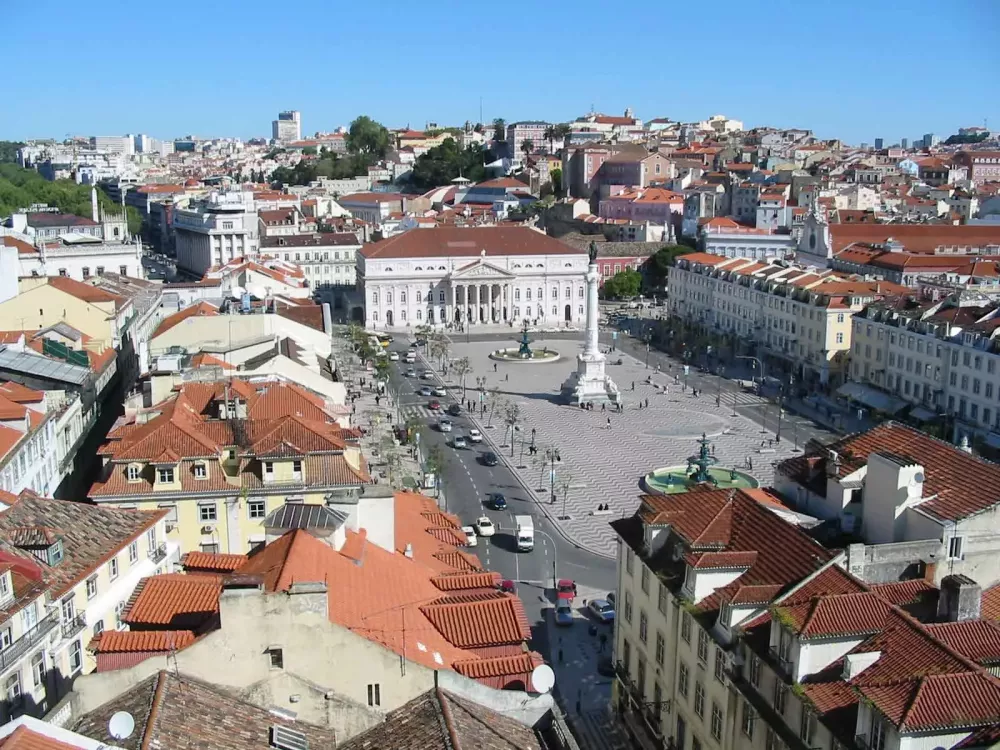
[[837, 615], [467, 242], [979, 640], [24, 738], [196, 310], [174, 600], [212, 562], [958, 484], [917, 238], [86, 292], [129, 641]]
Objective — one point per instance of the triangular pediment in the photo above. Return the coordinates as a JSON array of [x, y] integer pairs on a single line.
[[480, 269]]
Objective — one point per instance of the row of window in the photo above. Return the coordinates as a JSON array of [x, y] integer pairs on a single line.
[[443, 316], [441, 296]]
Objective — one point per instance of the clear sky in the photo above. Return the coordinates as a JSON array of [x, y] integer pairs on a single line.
[[853, 69]]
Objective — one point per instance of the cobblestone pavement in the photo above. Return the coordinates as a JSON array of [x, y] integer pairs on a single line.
[[601, 464]]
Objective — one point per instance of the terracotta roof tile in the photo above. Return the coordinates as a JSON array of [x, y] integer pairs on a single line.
[[837, 615], [195, 310], [129, 641], [173, 600], [482, 623], [24, 738], [958, 484], [90, 535], [979, 640], [182, 713], [468, 242], [212, 562]]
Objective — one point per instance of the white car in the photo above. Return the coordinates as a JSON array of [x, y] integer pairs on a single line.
[[475, 436], [444, 425], [459, 442], [394, 356], [440, 391], [484, 526], [427, 375], [470, 536]]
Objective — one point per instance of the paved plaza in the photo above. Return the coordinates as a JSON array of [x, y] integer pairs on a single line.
[[602, 464]]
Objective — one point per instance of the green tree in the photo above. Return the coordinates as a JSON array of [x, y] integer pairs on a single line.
[[499, 129], [462, 367], [550, 136], [562, 130], [309, 151], [527, 146], [555, 176], [624, 284], [367, 137], [8, 151], [659, 264], [442, 164]]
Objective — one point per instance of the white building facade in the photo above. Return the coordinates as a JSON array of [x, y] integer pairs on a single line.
[[472, 276], [216, 231]]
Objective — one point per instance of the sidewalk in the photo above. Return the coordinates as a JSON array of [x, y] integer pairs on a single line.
[[583, 693]]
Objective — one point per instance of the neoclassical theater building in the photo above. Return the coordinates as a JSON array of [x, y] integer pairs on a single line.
[[474, 276]]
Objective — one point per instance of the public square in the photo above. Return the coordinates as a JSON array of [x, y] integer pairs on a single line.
[[602, 464]]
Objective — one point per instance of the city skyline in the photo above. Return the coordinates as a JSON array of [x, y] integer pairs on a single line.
[[692, 81]]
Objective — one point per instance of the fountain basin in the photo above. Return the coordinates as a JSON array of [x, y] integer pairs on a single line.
[[671, 480], [514, 355]]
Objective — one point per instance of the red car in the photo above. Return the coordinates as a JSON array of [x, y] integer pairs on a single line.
[[434, 405], [565, 589], [508, 586]]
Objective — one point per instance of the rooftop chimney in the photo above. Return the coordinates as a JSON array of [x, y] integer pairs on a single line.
[[408, 551], [959, 600]]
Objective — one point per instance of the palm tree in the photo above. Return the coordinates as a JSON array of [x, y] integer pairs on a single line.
[[511, 416], [499, 129], [562, 130], [527, 146], [462, 367], [550, 136]]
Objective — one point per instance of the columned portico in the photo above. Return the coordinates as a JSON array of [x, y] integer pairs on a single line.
[[472, 276]]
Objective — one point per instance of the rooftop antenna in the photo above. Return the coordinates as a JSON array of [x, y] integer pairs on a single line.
[[121, 725]]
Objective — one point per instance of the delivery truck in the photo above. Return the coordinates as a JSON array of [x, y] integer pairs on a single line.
[[525, 533]]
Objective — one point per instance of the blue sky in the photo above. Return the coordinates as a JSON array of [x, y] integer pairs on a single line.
[[854, 70]]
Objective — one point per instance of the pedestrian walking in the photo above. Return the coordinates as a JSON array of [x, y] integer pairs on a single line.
[[494, 367], [609, 423], [604, 642], [602, 407], [633, 385], [647, 403], [560, 656], [506, 378], [750, 461], [377, 400]]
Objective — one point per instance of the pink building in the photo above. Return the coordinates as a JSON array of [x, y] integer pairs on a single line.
[[983, 166], [654, 205]]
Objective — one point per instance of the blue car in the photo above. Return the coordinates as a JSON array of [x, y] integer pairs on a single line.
[[564, 613], [601, 610], [497, 501]]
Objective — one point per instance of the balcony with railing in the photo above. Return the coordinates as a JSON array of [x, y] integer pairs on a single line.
[[73, 627], [158, 554], [33, 637]]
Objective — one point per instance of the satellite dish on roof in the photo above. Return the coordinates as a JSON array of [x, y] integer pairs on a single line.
[[122, 725], [543, 679]]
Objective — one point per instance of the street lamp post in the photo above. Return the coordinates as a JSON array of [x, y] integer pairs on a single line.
[[647, 355], [552, 455], [718, 383], [734, 404], [777, 433]]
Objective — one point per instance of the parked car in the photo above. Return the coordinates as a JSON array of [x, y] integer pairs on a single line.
[[440, 391], [563, 613], [426, 391], [484, 526], [427, 375], [601, 610], [496, 501], [470, 536], [394, 356], [454, 410], [459, 442], [434, 405], [475, 435], [508, 586], [490, 459], [565, 589], [444, 425], [612, 598]]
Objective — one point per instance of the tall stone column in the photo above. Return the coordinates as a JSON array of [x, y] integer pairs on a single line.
[[593, 314]]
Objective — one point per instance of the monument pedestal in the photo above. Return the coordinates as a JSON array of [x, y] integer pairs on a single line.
[[590, 384]]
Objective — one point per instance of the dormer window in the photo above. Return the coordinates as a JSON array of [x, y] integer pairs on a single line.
[[297, 469], [55, 552], [200, 471], [165, 474], [269, 471], [6, 589], [133, 472]]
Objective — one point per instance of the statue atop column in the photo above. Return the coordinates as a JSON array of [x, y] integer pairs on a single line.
[[593, 252]]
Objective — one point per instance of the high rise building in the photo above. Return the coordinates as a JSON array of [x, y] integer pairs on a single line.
[[879, 143], [930, 140], [288, 126], [904, 142], [115, 144]]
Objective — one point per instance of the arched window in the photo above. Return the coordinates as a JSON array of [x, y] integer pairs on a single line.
[[419, 296], [388, 270], [402, 298], [517, 295], [541, 295], [555, 293], [441, 296], [418, 268], [374, 298], [420, 315]]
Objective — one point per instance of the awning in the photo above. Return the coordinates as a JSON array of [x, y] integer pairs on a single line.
[[923, 415], [871, 397]]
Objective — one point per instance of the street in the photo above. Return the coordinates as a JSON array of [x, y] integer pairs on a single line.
[[466, 482]]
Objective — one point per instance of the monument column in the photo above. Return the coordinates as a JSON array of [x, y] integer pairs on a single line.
[[593, 314]]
